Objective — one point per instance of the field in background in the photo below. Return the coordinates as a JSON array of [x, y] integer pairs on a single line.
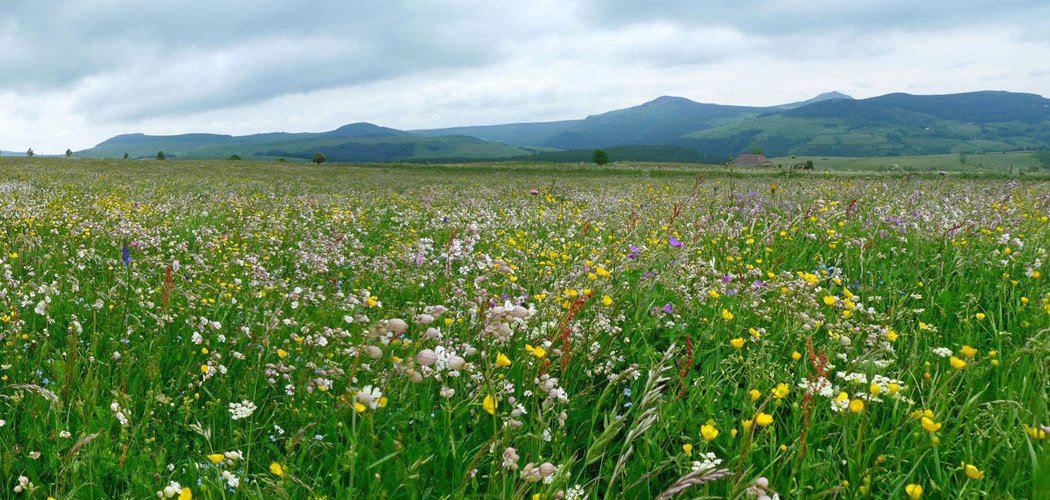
[[969, 163], [227, 329]]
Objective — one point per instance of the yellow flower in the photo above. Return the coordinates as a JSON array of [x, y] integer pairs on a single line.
[[502, 359], [830, 300], [874, 389], [708, 432], [216, 457], [281, 353], [763, 419], [892, 336], [726, 315], [204, 369], [781, 391], [755, 394], [688, 449], [979, 316], [537, 351], [186, 494], [737, 343], [968, 351], [713, 294], [856, 406], [746, 424], [930, 425], [606, 300], [973, 472], [957, 363], [276, 469], [490, 404], [1036, 433], [914, 491], [359, 408], [796, 355]]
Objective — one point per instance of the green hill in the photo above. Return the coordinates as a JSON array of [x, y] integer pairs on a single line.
[[890, 125], [362, 142]]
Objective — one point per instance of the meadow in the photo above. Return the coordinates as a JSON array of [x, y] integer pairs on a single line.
[[187, 329]]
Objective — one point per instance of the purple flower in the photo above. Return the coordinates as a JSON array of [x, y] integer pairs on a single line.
[[675, 243], [534, 191], [727, 278], [125, 254], [667, 308], [634, 253]]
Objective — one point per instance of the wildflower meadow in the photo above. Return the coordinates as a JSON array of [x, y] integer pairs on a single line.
[[258, 330]]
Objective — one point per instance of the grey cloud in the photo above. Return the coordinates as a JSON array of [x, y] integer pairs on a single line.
[[777, 17], [157, 50]]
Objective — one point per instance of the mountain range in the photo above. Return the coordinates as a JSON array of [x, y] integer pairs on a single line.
[[665, 129]]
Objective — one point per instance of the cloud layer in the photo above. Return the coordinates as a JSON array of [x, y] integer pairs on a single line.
[[77, 71]]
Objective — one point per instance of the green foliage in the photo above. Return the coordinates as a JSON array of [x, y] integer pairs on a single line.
[[125, 156], [69, 153], [318, 158], [234, 157], [160, 155], [30, 153], [600, 157]]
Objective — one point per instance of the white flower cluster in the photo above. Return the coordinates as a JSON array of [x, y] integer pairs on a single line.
[[943, 352], [709, 462], [241, 410]]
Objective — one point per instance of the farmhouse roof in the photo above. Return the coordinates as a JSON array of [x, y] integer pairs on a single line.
[[748, 160]]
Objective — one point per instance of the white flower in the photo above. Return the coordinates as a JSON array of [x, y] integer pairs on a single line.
[[369, 395], [169, 491], [41, 307], [244, 409], [232, 480]]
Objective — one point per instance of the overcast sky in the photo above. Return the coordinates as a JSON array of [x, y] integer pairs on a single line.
[[76, 72]]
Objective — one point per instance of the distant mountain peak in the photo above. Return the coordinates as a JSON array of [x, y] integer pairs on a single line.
[[827, 96], [834, 95], [668, 99], [362, 129]]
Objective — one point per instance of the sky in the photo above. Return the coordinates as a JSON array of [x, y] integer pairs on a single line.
[[76, 72]]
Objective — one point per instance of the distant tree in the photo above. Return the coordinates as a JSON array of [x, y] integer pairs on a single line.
[[234, 158], [962, 157], [600, 157], [757, 151], [69, 153], [125, 156], [30, 153], [160, 155], [281, 160], [319, 158]]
